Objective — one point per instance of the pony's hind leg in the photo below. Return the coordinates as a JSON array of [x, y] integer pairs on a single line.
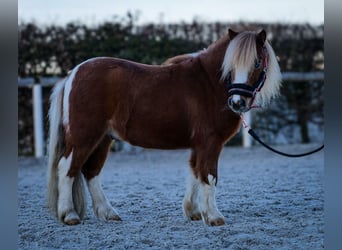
[[71, 193], [65, 208], [91, 170]]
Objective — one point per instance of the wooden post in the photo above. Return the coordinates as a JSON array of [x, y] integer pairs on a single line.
[[246, 138], [38, 120]]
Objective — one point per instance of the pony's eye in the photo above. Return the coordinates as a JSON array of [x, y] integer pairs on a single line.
[[257, 64]]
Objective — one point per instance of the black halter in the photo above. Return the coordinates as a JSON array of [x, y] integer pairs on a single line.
[[247, 90]]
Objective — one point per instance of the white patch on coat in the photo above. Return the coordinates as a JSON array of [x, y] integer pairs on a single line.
[[241, 76], [67, 90]]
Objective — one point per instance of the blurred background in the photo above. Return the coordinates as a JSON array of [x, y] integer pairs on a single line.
[[53, 37]]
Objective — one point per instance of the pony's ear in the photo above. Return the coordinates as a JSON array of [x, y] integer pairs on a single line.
[[232, 33], [261, 37]]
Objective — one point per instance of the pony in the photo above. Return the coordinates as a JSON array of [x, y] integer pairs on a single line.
[[194, 103]]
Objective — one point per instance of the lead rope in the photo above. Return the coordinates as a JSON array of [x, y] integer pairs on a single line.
[[256, 137]]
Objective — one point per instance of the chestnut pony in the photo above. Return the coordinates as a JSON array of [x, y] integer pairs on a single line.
[[194, 103]]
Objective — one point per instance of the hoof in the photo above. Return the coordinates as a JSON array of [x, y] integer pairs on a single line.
[[71, 219], [213, 220], [115, 217], [196, 217], [72, 222], [190, 211], [217, 222], [106, 213]]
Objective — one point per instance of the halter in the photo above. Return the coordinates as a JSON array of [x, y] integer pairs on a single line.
[[246, 90]]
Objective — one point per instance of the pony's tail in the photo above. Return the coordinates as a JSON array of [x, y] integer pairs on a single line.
[[55, 151], [55, 147]]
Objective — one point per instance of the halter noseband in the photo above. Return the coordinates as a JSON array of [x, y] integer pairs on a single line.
[[247, 90]]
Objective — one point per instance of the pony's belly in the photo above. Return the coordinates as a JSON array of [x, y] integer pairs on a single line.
[[159, 137]]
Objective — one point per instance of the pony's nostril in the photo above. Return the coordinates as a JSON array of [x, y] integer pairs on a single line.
[[236, 106], [239, 105], [242, 103]]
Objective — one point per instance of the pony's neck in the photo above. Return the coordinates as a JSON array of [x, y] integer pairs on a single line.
[[212, 58]]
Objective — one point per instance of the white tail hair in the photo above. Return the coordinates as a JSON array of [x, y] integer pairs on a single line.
[[55, 151]]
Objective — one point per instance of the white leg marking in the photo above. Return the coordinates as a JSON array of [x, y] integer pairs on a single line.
[[103, 210], [190, 201], [209, 211], [65, 208]]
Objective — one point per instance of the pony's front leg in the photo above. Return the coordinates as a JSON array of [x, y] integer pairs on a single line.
[[65, 206], [191, 208], [207, 203], [190, 202], [205, 171]]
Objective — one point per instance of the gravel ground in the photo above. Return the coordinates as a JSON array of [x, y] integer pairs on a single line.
[[269, 201]]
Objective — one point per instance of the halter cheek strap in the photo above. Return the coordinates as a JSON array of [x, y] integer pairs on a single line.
[[247, 90]]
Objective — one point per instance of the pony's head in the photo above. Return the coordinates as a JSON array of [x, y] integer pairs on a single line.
[[251, 70]]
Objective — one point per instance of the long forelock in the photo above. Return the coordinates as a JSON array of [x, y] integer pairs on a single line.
[[240, 54]]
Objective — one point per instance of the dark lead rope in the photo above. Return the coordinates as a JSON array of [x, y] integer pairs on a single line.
[[256, 137]]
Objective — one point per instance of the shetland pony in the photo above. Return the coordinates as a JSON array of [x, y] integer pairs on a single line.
[[194, 103]]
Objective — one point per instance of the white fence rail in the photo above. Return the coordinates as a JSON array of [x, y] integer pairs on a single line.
[[50, 81]]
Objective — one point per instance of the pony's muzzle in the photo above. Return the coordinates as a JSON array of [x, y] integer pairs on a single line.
[[238, 105]]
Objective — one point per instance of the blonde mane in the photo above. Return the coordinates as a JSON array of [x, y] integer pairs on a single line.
[[242, 53]]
